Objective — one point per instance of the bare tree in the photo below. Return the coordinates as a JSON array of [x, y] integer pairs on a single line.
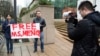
[[5, 8]]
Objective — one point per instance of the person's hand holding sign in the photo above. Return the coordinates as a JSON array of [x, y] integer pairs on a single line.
[[41, 26], [8, 25]]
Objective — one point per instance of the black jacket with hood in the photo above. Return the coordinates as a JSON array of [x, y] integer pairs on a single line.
[[85, 35]]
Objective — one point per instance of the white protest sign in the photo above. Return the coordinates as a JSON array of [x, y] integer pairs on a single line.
[[25, 30]]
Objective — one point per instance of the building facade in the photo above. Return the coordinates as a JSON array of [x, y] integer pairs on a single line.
[[59, 5]]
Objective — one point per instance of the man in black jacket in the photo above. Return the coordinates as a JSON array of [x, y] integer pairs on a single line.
[[85, 33], [40, 20]]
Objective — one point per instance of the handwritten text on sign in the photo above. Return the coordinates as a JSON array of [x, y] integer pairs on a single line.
[[25, 30]]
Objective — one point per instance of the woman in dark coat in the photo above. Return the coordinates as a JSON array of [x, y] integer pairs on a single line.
[[6, 29]]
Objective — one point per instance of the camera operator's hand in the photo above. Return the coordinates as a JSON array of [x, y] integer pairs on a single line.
[[66, 20], [69, 19]]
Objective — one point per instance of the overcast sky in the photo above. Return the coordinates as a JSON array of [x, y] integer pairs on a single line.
[[23, 3]]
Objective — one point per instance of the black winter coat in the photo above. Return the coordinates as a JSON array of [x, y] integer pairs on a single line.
[[85, 35]]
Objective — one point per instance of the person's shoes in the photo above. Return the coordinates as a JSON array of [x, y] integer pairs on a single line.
[[11, 52], [35, 51], [42, 51], [8, 52]]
